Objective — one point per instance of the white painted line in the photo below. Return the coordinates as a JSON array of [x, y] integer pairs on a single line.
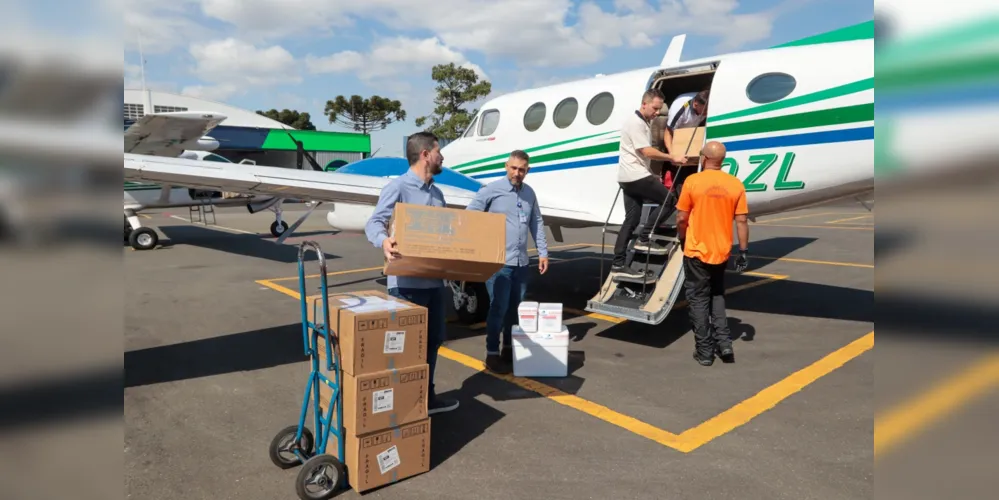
[[214, 225]]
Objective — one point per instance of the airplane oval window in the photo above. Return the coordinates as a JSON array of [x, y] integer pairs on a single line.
[[600, 108], [565, 112], [770, 87], [535, 116], [489, 122]]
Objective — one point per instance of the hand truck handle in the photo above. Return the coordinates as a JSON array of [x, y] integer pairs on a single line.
[[303, 292]]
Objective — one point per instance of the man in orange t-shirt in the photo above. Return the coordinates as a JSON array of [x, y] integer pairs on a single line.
[[709, 202]]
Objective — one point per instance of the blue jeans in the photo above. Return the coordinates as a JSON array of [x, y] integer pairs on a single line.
[[433, 299], [506, 291]]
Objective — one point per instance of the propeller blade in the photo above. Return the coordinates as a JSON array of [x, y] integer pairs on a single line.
[[298, 222]]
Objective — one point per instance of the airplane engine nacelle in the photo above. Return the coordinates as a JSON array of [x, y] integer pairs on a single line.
[[208, 143], [260, 205], [348, 217]]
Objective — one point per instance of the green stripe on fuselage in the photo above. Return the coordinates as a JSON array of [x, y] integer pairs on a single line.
[[822, 95], [821, 118], [861, 31], [561, 155], [504, 156]]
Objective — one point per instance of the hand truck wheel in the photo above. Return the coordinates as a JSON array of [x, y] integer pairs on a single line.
[[283, 447], [320, 478]]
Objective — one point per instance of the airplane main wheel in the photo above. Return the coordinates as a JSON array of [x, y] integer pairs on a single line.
[[474, 306], [143, 238], [278, 229]]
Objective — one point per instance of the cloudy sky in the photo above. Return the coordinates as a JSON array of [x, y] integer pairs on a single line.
[[297, 54]]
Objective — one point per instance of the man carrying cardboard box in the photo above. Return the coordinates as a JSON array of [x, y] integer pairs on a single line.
[[517, 201], [638, 184], [417, 187]]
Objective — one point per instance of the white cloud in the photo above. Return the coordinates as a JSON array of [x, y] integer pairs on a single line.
[[391, 57], [232, 66], [532, 32], [162, 25]]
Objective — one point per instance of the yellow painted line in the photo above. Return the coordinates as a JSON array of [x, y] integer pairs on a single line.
[[839, 221], [855, 228], [692, 438], [820, 262], [770, 278], [768, 398], [144, 216], [907, 419], [806, 216], [593, 409], [604, 317], [279, 288]]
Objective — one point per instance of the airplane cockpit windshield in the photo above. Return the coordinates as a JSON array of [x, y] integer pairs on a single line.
[[216, 158]]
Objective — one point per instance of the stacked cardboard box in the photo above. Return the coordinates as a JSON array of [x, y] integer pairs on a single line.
[[383, 352]]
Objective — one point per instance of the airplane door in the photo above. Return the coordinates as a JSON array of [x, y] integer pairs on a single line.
[[797, 122]]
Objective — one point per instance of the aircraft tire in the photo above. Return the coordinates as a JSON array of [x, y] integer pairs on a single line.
[[476, 308], [143, 238], [276, 230]]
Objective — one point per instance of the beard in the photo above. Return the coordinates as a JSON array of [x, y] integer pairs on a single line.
[[437, 169]]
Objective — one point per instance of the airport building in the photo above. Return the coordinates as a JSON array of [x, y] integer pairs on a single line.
[[246, 135]]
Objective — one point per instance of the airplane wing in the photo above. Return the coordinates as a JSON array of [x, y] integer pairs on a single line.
[[308, 185], [160, 134]]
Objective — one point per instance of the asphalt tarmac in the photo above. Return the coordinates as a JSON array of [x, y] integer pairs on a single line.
[[214, 368]]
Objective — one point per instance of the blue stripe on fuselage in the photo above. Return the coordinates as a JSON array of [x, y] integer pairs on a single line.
[[806, 139], [390, 167]]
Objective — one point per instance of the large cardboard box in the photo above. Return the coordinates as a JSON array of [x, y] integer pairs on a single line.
[[377, 331], [447, 243], [385, 456], [683, 144], [383, 399]]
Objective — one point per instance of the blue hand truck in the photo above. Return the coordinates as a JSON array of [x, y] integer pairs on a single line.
[[322, 475]]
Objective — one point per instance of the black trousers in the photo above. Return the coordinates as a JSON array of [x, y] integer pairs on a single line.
[[705, 289], [637, 193]]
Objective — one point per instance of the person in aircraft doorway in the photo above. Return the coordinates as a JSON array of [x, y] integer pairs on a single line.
[[639, 184], [687, 111]]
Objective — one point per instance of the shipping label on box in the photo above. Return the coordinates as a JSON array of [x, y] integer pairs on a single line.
[[688, 142], [384, 456], [527, 313], [550, 317], [380, 400], [376, 331], [388, 456], [447, 243]]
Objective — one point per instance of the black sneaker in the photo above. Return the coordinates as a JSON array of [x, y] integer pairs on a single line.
[[646, 246], [726, 354], [627, 272], [495, 364], [704, 361], [440, 405]]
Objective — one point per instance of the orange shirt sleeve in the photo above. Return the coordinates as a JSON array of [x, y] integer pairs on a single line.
[[740, 204], [685, 203]]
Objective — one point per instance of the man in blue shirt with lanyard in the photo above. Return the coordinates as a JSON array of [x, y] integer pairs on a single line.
[[417, 187], [517, 201]]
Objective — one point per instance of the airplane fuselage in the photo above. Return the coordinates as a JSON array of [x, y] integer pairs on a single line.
[[807, 138]]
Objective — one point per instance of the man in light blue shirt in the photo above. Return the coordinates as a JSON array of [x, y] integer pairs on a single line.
[[416, 187], [517, 201]]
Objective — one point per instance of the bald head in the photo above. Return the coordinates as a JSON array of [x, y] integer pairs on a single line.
[[714, 154]]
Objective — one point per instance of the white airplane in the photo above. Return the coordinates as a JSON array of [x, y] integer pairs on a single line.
[[797, 121], [182, 135]]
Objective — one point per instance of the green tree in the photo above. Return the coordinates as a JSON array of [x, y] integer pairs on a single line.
[[364, 115], [456, 87], [290, 117]]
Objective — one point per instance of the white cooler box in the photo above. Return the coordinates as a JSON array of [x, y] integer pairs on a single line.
[[540, 354]]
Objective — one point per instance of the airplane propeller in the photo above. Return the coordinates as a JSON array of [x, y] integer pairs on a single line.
[[313, 205]]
